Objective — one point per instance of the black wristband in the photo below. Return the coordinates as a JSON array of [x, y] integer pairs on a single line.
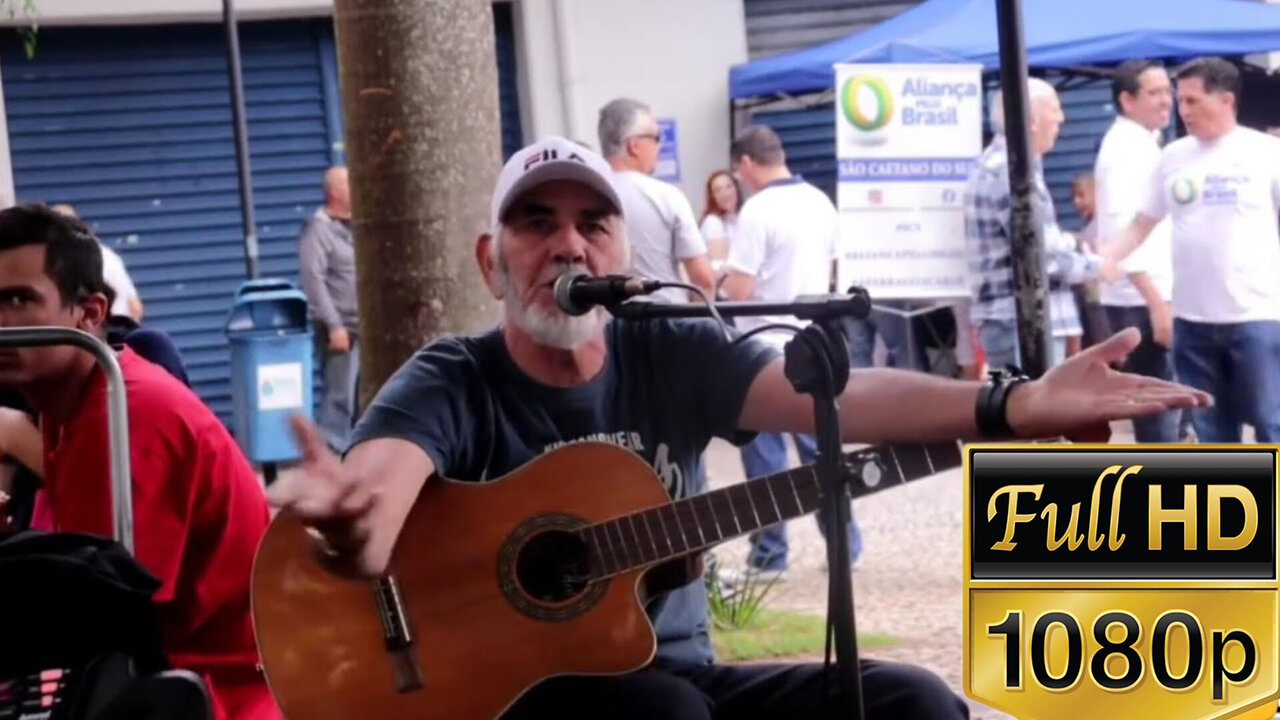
[[991, 409]]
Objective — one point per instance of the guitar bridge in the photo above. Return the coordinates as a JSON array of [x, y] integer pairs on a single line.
[[397, 636]]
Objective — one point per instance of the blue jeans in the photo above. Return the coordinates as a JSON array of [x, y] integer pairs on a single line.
[[1151, 360], [894, 331], [999, 340], [339, 371], [1237, 363], [765, 455]]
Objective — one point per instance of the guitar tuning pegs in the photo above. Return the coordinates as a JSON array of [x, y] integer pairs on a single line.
[[866, 470]]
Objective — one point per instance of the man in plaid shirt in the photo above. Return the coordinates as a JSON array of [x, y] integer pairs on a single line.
[[987, 232]]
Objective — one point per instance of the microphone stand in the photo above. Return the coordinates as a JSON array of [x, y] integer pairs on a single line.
[[817, 364]]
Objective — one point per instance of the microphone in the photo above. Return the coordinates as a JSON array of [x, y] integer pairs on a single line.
[[577, 293]]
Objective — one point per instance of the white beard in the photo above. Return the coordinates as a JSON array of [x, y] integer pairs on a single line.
[[552, 328]]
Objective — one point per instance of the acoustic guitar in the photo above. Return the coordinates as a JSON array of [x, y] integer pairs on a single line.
[[495, 586]]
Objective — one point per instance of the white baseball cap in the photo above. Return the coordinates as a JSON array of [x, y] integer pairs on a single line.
[[552, 158]]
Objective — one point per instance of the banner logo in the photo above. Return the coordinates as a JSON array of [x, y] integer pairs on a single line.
[[867, 102]]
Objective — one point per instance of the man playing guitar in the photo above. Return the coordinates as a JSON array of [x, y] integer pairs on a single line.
[[477, 407]]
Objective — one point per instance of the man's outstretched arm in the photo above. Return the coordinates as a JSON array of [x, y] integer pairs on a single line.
[[889, 405]]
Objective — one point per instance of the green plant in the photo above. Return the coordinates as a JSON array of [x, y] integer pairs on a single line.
[[780, 634], [30, 11], [734, 607]]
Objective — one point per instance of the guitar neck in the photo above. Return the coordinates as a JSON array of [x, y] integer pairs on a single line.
[[668, 531]]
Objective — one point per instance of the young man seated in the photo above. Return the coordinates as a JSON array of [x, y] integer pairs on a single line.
[[199, 509]]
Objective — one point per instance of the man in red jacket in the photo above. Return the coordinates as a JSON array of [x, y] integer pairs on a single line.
[[199, 509]]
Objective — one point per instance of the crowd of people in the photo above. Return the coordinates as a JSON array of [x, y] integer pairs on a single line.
[[475, 407], [1182, 243], [767, 234]]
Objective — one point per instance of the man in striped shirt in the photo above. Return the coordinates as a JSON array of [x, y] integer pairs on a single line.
[[987, 237]]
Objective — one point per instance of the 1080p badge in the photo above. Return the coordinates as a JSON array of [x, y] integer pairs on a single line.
[[1132, 581]]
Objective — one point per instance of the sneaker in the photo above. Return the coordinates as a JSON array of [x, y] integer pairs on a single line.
[[735, 578]]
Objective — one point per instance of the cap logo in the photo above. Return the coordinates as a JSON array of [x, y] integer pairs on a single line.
[[540, 156], [548, 154]]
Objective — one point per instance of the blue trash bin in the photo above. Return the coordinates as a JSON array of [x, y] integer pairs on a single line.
[[271, 361]]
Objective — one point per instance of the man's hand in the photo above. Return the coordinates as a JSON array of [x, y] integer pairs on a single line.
[[339, 340], [1123, 244], [1085, 391], [331, 499], [1160, 311], [1110, 270], [20, 439], [1162, 325]]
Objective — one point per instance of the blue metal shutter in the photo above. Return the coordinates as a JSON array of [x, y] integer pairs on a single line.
[[132, 125]]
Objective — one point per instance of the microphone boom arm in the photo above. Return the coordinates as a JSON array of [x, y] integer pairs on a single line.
[[857, 304]]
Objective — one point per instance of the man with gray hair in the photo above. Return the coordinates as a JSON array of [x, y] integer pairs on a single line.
[[987, 217], [327, 258], [664, 233]]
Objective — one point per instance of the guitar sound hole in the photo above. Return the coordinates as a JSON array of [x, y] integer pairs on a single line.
[[552, 566]]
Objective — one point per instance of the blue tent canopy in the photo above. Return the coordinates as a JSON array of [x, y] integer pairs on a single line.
[[1058, 34]]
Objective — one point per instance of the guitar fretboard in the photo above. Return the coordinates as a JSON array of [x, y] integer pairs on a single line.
[[668, 531]]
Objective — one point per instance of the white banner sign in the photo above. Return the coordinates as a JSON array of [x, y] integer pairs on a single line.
[[906, 138]]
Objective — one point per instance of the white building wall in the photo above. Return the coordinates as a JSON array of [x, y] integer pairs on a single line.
[[674, 55]]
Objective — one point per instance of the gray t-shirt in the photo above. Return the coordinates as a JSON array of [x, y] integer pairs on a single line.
[[327, 258], [662, 230], [667, 387]]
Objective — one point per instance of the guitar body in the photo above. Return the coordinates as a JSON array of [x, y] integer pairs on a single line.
[[485, 623]]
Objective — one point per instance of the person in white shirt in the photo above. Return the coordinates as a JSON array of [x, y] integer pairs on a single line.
[[1221, 187], [720, 216], [127, 303], [786, 246], [1127, 159], [664, 235]]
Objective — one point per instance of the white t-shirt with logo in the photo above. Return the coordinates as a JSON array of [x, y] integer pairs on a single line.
[[1129, 155], [786, 239], [1224, 199], [662, 230]]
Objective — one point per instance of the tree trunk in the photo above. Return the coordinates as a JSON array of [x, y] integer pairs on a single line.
[[420, 95]]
